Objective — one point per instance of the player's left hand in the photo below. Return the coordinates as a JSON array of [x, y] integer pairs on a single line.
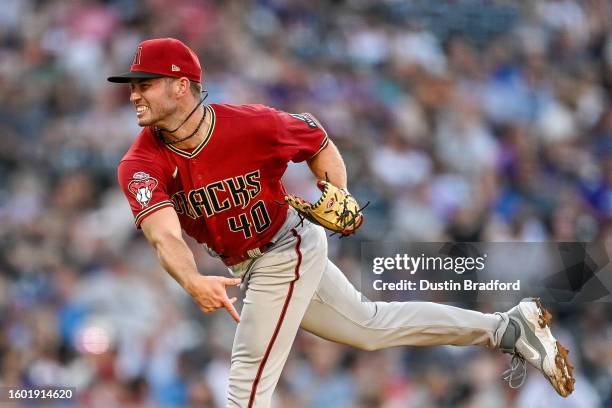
[[337, 210], [210, 294]]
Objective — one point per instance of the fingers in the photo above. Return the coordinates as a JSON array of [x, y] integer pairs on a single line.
[[228, 304], [230, 281], [217, 297], [322, 184]]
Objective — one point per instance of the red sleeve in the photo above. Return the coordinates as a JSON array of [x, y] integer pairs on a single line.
[[301, 136], [144, 185]]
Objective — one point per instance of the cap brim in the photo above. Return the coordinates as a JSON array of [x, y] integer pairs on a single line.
[[129, 76]]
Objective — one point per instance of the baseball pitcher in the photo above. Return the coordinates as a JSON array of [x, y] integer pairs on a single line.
[[215, 172]]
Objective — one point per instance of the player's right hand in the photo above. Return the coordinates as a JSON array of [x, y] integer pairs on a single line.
[[209, 293]]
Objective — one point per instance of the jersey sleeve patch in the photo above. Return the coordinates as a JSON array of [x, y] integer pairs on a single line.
[[306, 118], [300, 136], [142, 186]]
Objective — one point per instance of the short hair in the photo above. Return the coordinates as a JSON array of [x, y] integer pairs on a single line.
[[195, 87]]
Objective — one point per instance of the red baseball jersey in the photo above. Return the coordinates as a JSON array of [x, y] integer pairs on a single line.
[[226, 190]]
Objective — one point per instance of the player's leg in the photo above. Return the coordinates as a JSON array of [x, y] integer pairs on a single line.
[[280, 287], [338, 313]]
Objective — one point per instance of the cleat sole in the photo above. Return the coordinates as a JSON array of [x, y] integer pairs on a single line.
[[563, 380]]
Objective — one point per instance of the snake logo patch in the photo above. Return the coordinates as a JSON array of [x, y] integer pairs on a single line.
[[306, 118], [142, 186]]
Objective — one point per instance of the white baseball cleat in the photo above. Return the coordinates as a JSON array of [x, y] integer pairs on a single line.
[[535, 343]]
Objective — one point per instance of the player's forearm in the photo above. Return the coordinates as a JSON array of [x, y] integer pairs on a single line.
[[328, 163], [177, 259]]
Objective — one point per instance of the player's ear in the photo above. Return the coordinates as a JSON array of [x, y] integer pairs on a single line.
[[182, 86]]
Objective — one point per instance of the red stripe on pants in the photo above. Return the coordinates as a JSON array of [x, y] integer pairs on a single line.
[[280, 319]]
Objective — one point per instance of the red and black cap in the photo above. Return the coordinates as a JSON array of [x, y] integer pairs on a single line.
[[162, 57]]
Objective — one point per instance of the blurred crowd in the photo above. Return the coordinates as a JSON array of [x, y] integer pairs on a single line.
[[467, 120]]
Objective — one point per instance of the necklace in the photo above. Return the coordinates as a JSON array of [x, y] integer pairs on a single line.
[[159, 133]]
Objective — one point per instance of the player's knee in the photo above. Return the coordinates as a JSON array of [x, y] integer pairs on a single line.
[[365, 345]]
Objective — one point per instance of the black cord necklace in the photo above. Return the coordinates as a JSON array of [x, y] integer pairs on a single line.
[[168, 142], [158, 130], [187, 118]]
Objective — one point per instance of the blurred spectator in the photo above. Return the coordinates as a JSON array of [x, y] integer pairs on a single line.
[[465, 120]]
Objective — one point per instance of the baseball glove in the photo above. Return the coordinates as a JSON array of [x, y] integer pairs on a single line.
[[336, 210]]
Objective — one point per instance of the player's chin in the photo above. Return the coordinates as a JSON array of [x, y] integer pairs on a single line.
[[145, 120]]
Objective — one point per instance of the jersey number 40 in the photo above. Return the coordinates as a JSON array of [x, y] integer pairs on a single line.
[[256, 220]]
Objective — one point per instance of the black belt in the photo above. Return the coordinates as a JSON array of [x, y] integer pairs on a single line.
[[249, 254]]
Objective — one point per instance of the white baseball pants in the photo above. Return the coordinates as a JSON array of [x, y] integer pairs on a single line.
[[295, 285]]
